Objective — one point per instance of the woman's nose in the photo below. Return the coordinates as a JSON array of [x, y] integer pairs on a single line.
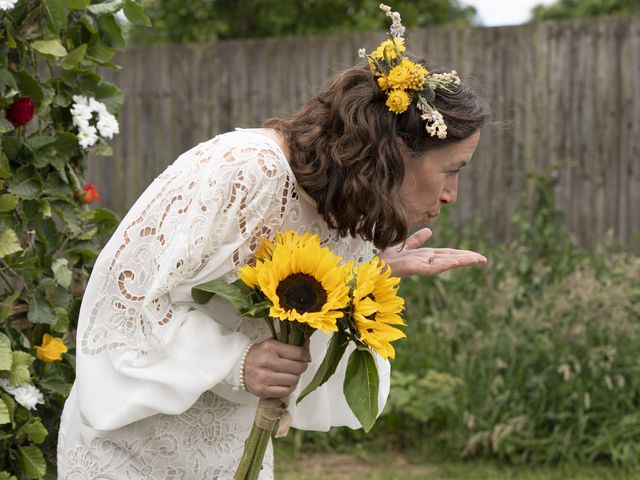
[[450, 192]]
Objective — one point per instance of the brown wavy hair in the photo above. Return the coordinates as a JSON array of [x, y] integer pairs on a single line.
[[348, 151]]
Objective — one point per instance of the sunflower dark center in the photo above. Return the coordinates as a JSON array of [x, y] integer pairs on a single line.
[[301, 292]]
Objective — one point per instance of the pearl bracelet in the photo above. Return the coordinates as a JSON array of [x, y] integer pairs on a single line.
[[243, 387]]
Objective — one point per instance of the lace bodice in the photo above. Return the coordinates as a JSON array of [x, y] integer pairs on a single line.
[[154, 395]]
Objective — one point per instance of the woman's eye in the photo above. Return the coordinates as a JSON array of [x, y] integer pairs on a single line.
[[455, 172]]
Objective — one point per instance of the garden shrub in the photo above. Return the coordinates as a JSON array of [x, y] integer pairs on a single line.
[[532, 358], [56, 111]]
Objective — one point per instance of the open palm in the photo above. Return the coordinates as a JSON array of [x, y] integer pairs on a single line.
[[413, 259]]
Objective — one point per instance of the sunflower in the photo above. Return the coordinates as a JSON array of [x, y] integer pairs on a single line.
[[303, 281], [376, 307]]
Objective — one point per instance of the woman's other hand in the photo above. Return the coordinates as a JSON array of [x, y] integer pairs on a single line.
[[272, 369], [414, 259]]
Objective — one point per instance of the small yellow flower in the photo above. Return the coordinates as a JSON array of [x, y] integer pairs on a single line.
[[51, 349], [398, 101], [387, 46], [400, 76], [383, 83], [418, 76]]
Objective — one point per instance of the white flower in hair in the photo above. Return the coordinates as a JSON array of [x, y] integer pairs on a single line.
[[397, 29], [448, 77], [362, 53]]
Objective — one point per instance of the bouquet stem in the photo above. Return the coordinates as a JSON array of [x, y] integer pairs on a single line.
[[267, 416]]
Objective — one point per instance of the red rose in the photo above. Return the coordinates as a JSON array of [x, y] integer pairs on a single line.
[[90, 193], [21, 111]]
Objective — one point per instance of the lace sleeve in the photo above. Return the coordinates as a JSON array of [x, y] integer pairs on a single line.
[[142, 347]]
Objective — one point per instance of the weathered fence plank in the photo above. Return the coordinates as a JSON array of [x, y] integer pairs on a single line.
[[566, 98]]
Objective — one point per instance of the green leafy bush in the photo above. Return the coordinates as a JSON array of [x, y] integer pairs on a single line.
[[56, 110], [533, 358]]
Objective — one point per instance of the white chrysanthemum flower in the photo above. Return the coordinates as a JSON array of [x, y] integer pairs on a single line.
[[28, 396], [80, 100], [362, 53], [7, 4], [108, 125], [87, 136], [97, 106], [81, 115]]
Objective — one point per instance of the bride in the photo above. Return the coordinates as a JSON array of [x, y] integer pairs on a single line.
[[167, 388]]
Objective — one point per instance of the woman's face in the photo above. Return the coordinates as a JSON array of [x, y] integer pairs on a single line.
[[432, 179]]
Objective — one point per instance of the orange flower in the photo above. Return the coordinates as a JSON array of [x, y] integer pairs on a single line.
[[51, 349], [90, 193]]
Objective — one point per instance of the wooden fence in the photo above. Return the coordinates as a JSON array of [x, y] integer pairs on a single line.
[[566, 98]]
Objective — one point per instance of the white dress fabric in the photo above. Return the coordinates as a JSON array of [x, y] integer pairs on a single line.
[[156, 394]]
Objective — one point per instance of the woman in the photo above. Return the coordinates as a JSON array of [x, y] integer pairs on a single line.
[[167, 388]]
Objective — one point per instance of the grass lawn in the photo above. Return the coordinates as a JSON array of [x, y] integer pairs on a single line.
[[320, 466]]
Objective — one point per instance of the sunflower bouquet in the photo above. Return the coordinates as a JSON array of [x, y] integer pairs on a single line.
[[298, 287]]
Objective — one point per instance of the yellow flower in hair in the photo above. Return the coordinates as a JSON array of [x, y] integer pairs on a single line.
[[398, 101], [400, 75], [387, 45], [418, 76], [383, 83]]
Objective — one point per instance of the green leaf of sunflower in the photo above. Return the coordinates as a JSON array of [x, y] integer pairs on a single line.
[[238, 294], [335, 351], [361, 387]]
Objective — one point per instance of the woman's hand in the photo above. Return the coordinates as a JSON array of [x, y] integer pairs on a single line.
[[272, 369], [413, 260]]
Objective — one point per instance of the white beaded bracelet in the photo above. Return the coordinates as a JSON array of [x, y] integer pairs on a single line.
[[243, 387]]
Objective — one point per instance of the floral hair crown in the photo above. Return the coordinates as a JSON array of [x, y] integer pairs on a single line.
[[404, 81]]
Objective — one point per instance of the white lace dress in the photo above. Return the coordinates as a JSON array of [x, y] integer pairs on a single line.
[[156, 390]]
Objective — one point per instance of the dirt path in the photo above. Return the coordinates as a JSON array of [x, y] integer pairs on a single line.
[[335, 465]]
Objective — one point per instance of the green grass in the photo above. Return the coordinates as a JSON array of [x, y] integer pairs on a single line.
[[324, 466]]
